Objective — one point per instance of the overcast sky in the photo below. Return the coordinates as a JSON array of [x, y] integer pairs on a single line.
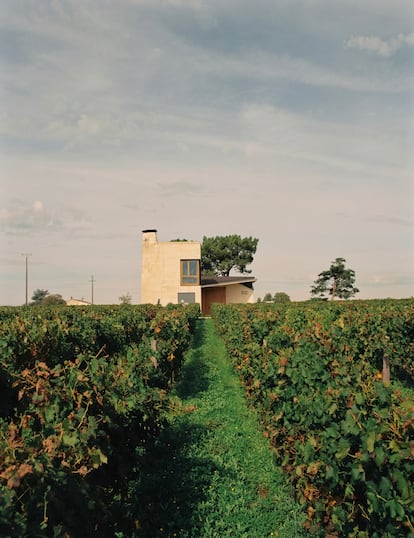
[[288, 120]]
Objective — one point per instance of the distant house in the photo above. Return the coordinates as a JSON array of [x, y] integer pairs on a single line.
[[77, 302], [171, 274]]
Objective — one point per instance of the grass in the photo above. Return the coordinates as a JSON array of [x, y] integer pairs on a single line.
[[211, 474]]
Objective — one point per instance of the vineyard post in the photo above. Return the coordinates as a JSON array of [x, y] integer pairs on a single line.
[[386, 373], [154, 349]]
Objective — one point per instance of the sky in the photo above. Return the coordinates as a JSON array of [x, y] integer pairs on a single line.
[[288, 120]]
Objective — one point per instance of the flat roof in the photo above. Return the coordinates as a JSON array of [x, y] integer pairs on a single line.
[[212, 281]]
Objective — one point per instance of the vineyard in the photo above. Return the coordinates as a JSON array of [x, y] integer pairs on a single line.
[[317, 374], [84, 391]]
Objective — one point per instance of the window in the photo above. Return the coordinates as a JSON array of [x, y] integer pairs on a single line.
[[190, 272], [186, 298]]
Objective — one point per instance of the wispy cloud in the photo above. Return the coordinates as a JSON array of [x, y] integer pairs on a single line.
[[180, 188], [398, 221], [274, 67], [382, 47], [355, 148], [386, 279]]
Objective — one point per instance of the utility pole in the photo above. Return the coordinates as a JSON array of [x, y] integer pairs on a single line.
[[92, 280], [26, 255]]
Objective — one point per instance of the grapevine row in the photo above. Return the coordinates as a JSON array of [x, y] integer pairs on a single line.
[[84, 392], [345, 438]]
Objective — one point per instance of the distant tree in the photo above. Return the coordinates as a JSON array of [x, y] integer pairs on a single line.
[[125, 299], [38, 296], [281, 297], [221, 254], [53, 299], [278, 297], [337, 281]]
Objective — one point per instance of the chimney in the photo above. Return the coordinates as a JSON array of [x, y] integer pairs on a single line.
[[149, 236]]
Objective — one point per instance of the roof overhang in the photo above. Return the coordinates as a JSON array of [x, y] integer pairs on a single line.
[[221, 281]]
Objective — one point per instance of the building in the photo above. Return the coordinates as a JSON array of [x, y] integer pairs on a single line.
[[171, 274], [77, 302], [226, 290]]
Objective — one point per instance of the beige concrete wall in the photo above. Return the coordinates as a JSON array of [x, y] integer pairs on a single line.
[[160, 274], [237, 293]]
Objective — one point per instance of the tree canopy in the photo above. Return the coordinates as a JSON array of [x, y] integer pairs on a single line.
[[43, 297], [38, 296], [53, 299], [281, 297], [337, 281], [126, 298], [278, 297], [221, 254]]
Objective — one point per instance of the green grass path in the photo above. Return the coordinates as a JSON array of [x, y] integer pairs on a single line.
[[212, 473]]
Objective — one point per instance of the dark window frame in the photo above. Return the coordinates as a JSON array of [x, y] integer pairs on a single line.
[[187, 275]]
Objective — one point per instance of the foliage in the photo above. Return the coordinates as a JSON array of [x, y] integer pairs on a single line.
[[85, 391], [281, 297], [221, 254], [53, 299], [337, 281], [344, 437], [125, 299], [278, 297], [39, 296], [43, 297]]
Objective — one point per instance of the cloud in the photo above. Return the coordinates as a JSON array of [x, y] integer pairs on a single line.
[[179, 188], [101, 78], [76, 130], [270, 130], [388, 279], [37, 206], [191, 4], [384, 48], [22, 219], [392, 220], [127, 115]]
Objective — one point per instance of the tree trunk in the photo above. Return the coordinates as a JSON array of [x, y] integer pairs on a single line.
[[333, 293]]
